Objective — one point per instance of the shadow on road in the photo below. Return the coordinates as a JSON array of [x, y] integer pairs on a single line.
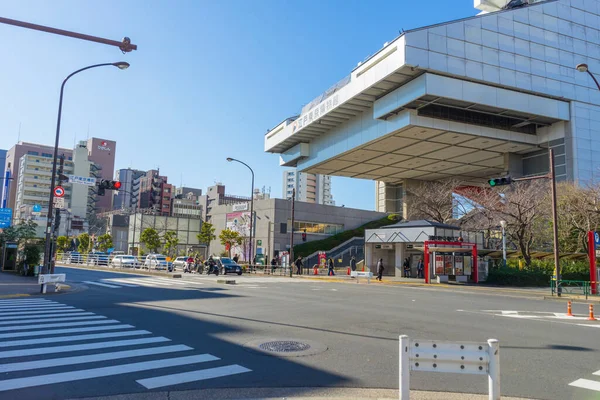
[[551, 347]]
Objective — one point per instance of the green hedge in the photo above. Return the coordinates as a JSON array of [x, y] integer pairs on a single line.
[[538, 273], [306, 249]]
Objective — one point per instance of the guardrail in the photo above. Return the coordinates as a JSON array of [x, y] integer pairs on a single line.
[[570, 287], [452, 357]]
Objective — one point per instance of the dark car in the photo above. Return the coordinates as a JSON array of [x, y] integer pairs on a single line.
[[228, 266]]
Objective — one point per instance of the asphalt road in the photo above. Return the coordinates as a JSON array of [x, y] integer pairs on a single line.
[[181, 334]]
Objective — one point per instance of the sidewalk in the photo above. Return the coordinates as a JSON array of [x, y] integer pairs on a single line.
[[296, 394], [14, 285]]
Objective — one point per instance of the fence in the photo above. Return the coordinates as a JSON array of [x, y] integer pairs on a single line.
[[440, 356], [570, 287]]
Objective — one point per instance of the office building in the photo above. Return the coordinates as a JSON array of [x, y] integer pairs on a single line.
[[216, 196], [102, 152], [310, 188], [186, 202], [129, 194], [156, 193]]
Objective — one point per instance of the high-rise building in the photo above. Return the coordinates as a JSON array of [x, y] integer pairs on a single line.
[[155, 193], [311, 188], [187, 202], [129, 194], [3, 180], [216, 196], [13, 157], [102, 153]]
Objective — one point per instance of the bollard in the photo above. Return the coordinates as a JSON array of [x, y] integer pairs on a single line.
[[569, 313], [591, 317], [348, 273]]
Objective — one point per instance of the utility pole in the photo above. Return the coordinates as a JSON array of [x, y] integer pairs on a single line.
[[61, 168], [292, 235]]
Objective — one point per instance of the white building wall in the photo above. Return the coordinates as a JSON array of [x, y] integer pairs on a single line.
[[310, 188], [81, 167]]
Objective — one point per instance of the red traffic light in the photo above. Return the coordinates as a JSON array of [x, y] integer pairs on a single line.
[[117, 185]]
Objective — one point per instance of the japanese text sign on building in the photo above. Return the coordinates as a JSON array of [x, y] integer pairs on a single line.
[[5, 217]]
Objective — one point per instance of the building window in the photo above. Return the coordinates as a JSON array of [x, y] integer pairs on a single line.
[[314, 227], [70, 158], [33, 153], [47, 155]]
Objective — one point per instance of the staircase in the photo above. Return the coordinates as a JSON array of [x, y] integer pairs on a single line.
[[351, 247]]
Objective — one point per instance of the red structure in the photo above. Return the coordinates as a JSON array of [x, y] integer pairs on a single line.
[[592, 256], [429, 243]]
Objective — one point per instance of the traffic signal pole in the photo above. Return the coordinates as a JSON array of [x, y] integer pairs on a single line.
[[552, 176]]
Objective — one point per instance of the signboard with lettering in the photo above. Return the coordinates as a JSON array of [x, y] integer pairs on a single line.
[[5, 217], [82, 180], [240, 207], [59, 203]]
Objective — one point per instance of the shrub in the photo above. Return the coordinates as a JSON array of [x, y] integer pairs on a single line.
[[538, 273]]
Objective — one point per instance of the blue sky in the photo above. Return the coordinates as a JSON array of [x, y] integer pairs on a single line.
[[208, 80]]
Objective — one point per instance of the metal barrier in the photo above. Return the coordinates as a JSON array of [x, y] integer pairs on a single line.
[[570, 287], [453, 357]]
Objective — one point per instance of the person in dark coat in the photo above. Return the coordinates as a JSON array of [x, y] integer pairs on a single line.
[[299, 265], [331, 272], [420, 269], [380, 269], [353, 263]]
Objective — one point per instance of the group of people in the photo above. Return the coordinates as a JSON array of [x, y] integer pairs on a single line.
[[197, 265]]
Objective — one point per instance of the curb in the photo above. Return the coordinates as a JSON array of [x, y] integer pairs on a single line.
[[573, 299], [12, 296]]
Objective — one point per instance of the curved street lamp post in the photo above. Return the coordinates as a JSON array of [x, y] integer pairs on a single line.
[[251, 255], [49, 265]]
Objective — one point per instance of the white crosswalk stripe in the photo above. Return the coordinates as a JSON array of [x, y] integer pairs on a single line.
[[41, 333], [142, 281]]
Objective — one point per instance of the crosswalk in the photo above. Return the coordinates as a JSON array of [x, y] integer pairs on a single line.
[[587, 384], [144, 281], [70, 337]]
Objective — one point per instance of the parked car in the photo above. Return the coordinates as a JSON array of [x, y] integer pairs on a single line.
[[228, 266], [74, 258], [97, 258], [156, 261], [179, 262], [124, 261]]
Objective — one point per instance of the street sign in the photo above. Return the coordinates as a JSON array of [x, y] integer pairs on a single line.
[[82, 180], [59, 191], [5, 217], [597, 239], [36, 210], [259, 242], [59, 203]]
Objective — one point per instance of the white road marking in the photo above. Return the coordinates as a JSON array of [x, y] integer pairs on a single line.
[[509, 312], [55, 325], [29, 321], [586, 384], [30, 307], [121, 282], [55, 310], [26, 342], [81, 347], [14, 301], [53, 315], [102, 284], [192, 376], [145, 282], [45, 332], [53, 362], [19, 383]]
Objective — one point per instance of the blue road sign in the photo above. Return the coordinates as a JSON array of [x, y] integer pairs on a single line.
[[5, 217], [597, 239], [37, 208]]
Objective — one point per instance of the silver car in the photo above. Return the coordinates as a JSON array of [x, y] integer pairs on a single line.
[[156, 261], [179, 262], [124, 261]]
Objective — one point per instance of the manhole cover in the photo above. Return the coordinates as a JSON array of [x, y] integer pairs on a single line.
[[285, 347]]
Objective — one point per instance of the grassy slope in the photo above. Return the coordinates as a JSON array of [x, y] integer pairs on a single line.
[[306, 249]]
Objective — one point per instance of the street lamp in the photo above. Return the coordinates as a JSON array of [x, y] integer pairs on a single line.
[[503, 225], [229, 159], [585, 68], [47, 256]]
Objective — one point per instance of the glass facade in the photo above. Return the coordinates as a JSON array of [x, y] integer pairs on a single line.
[[316, 228]]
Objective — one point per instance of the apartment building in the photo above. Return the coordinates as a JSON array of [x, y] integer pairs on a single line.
[[310, 188], [129, 194]]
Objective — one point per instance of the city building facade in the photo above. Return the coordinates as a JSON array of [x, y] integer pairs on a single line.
[[129, 194], [4, 179], [470, 99], [310, 188], [156, 193], [273, 224], [186, 202], [216, 196], [102, 153]]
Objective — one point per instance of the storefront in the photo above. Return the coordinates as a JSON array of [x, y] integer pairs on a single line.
[[448, 253]]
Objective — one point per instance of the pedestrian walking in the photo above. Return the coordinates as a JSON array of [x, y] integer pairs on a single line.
[[420, 268], [380, 269], [299, 265], [273, 264], [353, 264], [331, 272], [236, 258]]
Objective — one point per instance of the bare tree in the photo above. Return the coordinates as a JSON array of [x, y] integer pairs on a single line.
[[523, 205], [435, 201], [578, 213]]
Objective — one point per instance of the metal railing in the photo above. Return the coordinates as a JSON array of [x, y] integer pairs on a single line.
[[570, 287]]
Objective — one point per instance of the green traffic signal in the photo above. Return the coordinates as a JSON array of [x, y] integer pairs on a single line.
[[507, 180], [492, 182]]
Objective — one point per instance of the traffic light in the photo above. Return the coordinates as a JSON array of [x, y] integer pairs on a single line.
[[507, 180], [106, 184]]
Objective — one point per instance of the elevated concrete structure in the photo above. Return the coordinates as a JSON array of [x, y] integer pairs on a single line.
[[471, 99]]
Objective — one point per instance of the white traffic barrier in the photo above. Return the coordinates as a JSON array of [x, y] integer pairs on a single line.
[[44, 279], [454, 357], [361, 274]]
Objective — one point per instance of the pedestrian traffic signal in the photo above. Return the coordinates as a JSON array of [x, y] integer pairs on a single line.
[[106, 184], [507, 180]]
